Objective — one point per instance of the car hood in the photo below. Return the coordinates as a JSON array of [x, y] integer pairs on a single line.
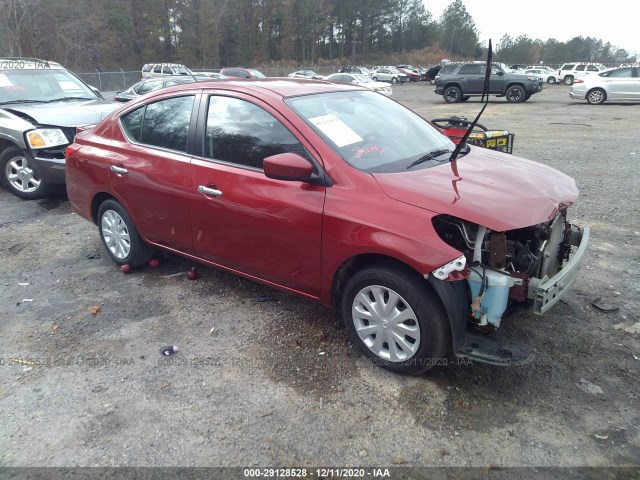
[[66, 114], [497, 190]]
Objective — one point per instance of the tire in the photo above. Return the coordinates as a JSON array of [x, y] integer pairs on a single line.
[[515, 94], [120, 237], [551, 80], [394, 80], [452, 95], [18, 175], [375, 79], [568, 80], [411, 333], [596, 96]]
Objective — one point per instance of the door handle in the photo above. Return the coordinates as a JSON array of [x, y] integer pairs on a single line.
[[209, 191], [119, 170]]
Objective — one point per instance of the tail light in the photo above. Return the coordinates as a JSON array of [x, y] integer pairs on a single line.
[[73, 148], [577, 80]]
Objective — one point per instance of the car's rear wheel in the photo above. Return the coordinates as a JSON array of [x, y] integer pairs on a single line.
[[596, 96], [18, 174], [394, 80], [551, 80], [515, 94], [375, 79], [395, 319], [120, 237], [568, 80], [452, 95]]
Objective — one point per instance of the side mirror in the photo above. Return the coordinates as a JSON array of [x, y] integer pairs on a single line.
[[288, 166], [500, 73]]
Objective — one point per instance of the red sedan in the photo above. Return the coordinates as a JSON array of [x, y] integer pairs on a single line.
[[340, 195]]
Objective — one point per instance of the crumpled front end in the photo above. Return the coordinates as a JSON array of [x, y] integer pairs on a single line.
[[533, 266]]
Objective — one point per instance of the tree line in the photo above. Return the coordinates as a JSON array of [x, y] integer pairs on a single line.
[[111, 34]]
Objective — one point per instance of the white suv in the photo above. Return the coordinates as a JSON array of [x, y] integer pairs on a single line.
[[164, 70], [569, 71]]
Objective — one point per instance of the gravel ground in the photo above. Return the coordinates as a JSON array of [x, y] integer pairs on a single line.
[[266, 379]]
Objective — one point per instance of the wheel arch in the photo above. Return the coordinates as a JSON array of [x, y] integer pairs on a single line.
[[453, 296], [97, 200]]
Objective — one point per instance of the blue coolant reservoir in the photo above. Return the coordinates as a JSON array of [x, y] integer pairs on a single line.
[[496, 293]]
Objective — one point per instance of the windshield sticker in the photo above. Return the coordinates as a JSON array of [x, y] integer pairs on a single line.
[[4, 81], [337, 131], [67, 85], [362, 152]]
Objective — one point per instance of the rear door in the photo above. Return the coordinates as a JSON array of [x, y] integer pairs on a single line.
[[269, 229], [150, 169], [472, 78]]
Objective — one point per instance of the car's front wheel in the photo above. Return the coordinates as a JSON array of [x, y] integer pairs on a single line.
[[375, 79], [452, 95], [515, 94], [568, 80], [394, 80], [395, 319], [120, 237], [596, 96], [18, 174], [551, 80]]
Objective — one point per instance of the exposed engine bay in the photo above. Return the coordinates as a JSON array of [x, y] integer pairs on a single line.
[[507, 268]]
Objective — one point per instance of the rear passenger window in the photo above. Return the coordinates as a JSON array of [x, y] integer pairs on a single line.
[[580, 68], [592, 68], [242, 133], [157, 69], [167, 70], [622, 73], [162, 124], [470, 70]]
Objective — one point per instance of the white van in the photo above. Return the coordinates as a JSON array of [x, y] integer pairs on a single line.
[[164, 70]]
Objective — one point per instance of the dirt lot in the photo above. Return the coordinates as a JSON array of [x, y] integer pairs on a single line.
[[266, 379]]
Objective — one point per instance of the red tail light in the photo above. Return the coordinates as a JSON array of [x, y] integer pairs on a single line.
[[73, 148], [577, 80]]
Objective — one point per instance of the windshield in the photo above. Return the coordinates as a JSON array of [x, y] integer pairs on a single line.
[[363, 78], [371, 132], [256, 73], [41, 85]]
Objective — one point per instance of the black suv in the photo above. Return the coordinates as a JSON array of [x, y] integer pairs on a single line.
[[457, 82]]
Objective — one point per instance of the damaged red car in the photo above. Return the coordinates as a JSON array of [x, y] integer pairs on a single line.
[[342, 196]]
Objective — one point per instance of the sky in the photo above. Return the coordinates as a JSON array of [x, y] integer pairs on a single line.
[[613, 21]]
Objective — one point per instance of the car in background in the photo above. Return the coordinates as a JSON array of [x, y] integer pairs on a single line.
[[338, 195], [617, 84], [457, 82], [164, 70], [544, 75], [41, 106], [388, 74], [151, 84], [242, 72], [413, 75], [355, 69], [363, 80], [309, 74], [570, 71], [212, 75]]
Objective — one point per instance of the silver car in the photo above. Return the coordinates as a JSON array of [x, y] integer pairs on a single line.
[[618, 84]]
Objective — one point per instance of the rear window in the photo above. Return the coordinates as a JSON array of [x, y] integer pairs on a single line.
[[471, 70]]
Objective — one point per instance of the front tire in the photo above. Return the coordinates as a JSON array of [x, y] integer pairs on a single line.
[[596, 96], [18, 175], [452, 95], [394, 80], [551, 80], [120, 237], [395, 319], [515, 94]]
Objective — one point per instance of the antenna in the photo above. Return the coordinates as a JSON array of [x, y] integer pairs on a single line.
[[485, 92]]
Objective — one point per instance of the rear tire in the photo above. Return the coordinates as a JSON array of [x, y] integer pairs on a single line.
[[18, 176], [568, 80], [120, 237], [551, 80], [395, 319], [394, 80], [452, 95]]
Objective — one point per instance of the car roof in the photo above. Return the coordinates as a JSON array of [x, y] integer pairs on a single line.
[[279, 87]]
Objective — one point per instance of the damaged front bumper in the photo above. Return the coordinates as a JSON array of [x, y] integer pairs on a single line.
[[546, 292]]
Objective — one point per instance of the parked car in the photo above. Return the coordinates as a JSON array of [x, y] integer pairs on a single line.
[[457, 82], [41, 105], [413, 75], [570, 71], [339, 195], [242, 72], [387, 74], [617, 84], [309, 74], [164, 70], [151, 84], [213, 75], [363, 80], [356, 69], [544, 75]]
